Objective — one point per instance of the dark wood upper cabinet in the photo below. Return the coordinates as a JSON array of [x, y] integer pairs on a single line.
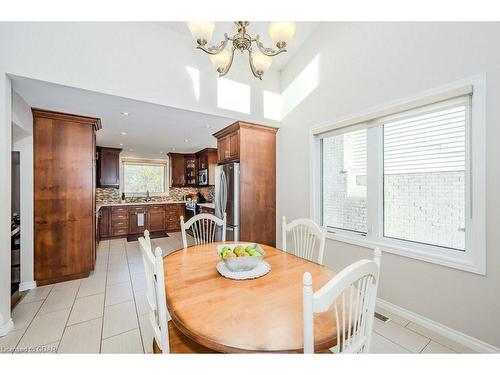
[[177, 170], [108, 167], [228, 145], [64, 195]]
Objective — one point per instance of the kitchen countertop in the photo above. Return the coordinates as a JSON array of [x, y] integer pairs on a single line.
[[99, 205], [207, 205]]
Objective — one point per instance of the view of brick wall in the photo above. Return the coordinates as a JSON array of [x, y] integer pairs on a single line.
[[424, 207]]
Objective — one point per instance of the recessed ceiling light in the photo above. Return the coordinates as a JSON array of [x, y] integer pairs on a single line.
[[121, 144], [173, 148], [207, 126], [123, 133], [124, 113], [161, 152], [186, 140]]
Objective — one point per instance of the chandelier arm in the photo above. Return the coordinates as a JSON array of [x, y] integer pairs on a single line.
[[215, 50], [252, 66], [222, 73], [267, 51]]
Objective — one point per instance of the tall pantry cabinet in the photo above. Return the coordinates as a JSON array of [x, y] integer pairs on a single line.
[[64, 195]]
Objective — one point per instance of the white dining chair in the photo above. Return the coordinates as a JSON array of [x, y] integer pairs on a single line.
[[308, 239], [203, 228], [156, 298], [353, 294]]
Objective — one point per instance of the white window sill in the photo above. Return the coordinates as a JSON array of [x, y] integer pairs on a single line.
[[460, 260]]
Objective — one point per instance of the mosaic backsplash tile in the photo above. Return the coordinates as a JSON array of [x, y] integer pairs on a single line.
[[110, 195]]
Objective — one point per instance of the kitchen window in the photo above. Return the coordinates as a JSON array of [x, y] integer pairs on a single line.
[[409, 178], [140, 177]]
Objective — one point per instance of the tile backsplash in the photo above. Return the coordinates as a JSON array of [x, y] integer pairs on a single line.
[[110, 195]]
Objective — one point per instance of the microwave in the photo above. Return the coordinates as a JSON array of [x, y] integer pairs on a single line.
[[203, 177]]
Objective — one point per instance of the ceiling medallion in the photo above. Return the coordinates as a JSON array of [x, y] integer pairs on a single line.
[[260, 59]]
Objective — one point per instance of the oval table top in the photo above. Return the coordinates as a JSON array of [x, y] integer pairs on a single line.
[[238, 316]]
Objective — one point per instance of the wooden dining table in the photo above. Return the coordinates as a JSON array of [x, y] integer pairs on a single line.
[[243, 316]]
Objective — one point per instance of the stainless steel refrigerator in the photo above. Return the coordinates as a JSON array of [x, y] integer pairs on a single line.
[[227, 199]]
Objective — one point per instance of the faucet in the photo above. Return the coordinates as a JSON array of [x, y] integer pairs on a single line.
[[148, 198]]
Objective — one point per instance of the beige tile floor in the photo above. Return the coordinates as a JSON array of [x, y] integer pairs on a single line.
[[107, 312]]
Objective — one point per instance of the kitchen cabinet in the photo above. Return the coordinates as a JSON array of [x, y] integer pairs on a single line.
[[122, 220], [64, 154], [173, 213], [207, 210], [137, 218], [108, 167], [183, 170], [207, 159], [228, 146], [156, 218], [191, 170], [104, 222]]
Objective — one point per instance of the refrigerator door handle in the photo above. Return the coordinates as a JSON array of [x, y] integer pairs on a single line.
[[223, 192]]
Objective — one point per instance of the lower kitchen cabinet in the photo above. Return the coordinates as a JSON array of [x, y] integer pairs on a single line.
[[156, 218], [122, 221], [173, 215]]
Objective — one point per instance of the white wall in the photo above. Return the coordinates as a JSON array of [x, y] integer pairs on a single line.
[[366, 64], [5, 181], [22, 141], [142, 61]]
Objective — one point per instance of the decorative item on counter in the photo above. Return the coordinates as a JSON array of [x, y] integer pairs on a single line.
[[123, 197]]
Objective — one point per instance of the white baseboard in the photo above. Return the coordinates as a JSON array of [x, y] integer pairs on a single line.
[[450, 333], [6, 327], [27, 285]]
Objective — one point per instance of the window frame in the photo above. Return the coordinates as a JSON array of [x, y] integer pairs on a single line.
[[162, 162], [473, 259]]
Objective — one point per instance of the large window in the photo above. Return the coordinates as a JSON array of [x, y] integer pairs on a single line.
[[410, 181], [140, 177]]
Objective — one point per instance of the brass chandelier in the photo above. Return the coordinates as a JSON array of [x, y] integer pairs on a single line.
[[260, 59]]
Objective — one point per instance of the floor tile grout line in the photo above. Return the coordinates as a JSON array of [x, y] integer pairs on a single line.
[[395, 343], [135, 303], [104, 303], [121, 333], [32, 319], [430, 338], [69, 315]]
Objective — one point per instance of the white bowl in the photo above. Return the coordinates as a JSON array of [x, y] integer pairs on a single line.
[[239, 264]]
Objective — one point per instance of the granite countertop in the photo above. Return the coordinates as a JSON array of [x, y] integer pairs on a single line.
[[207, 205], [99, 205]]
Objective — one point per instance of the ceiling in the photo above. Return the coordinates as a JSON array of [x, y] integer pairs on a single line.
[[304, 29], [150, 128]]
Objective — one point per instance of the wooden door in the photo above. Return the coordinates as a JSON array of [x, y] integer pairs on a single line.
[[177, 170], [64, 217], [156, 218], [136, 226], [234, 145], [108, 168], [173, 213], [105, 222], [223, 149]]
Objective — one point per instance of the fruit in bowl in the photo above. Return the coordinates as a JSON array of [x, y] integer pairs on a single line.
[[241, 257]]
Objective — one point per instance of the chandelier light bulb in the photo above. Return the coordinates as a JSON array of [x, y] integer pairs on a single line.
[[201, 31], [221, 60], [281, 32], [261, 62]]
